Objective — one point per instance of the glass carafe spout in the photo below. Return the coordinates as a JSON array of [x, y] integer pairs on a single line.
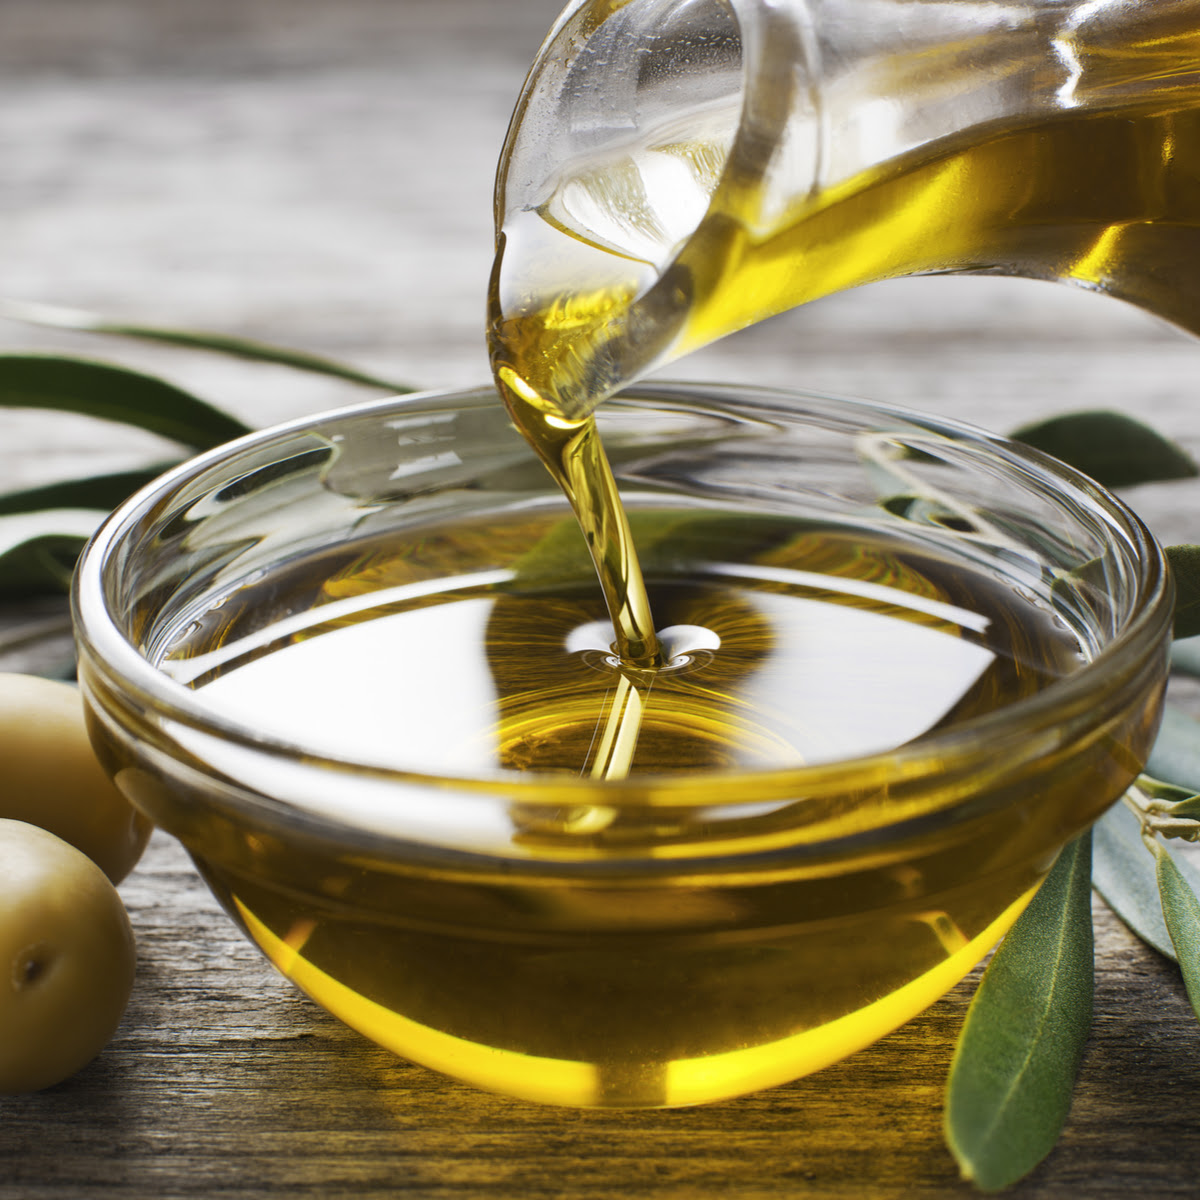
[[679, 169]]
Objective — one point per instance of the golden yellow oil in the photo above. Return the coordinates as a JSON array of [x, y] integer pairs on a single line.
[[739, 806], [660, 950], [702, 983], [671, 890], [783, 644], [1107, 200]]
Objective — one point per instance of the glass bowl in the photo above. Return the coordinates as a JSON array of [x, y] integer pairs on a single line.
[[717, 921]]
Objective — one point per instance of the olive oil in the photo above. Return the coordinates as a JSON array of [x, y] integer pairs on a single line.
[[1109, 201], [786, 644], [789, 648], [638, 853], [819, 646]]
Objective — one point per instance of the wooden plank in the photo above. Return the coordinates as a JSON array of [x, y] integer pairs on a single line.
[[222, 1079]]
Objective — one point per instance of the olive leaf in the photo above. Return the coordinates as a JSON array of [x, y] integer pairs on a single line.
[[1111, 447], [1019, 1052], [38, 551], [52, 316], [114, 393], [40, 566], [38, 560], [1180, 806], [1185, 567], [1124, 873], [1181, 911], [1176, 754], [103, 492]]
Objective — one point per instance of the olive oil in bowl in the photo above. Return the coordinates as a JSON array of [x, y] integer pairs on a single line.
[[898, 665]]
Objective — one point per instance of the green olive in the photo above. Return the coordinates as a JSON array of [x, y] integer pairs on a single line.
[[50, 777], [66, 958]]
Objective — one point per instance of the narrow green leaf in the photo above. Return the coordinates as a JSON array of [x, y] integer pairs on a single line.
[[1015, 1064], [1186, 808], [38, 551], [41, 566], [114, 394], [1176, 754], [52, 316], [1111, 447], [95, 491], [1123, 872], [1185, 566], [1181, 910], [1182, 804]]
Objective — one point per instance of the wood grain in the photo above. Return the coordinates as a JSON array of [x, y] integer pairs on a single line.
[[224, 1080], [319, 173]]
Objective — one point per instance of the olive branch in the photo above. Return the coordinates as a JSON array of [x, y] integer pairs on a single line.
[[1015, 1065]]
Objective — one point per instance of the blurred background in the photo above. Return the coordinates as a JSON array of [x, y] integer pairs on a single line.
[[319, 173]]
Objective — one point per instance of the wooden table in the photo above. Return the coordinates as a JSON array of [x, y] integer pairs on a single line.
[[318, 173]]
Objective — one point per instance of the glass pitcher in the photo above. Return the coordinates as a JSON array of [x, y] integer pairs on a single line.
[[679, 169]]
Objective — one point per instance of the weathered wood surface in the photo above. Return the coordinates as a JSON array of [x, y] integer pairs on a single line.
[[319, 173], [223, 1081]]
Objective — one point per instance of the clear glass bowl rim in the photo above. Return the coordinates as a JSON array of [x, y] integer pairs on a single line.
[[136, 679]]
